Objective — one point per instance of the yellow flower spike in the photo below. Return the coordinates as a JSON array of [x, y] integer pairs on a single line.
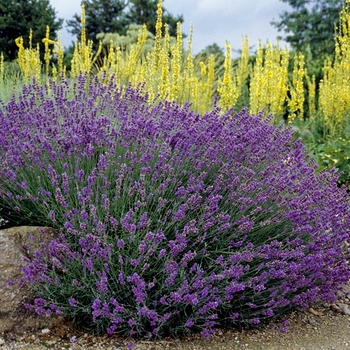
[[47, 54], [269, 83], [203, 69], [141, 40], [130, 60], [271, 63], [54, 74], [60, 56], [256, 85], [29, 59], [140, 75], [227, 88], [83, 21], [19, 43], [164, 65], [296, 102], [190, 83], [334, 88], [30, 39], [135, 55], [282, 79], [21, 54], [190, 39], [111, 64], [118, 60], [159, 25], [243, 65], [176, 51], [99, 50], [83, 58], [151, 73]]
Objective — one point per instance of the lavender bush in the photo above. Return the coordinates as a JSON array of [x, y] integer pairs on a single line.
[[170, 222]]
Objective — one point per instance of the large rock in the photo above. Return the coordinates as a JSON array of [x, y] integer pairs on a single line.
[[13, 316]]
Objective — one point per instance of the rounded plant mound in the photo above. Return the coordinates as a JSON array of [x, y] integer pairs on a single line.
[[170, 222]]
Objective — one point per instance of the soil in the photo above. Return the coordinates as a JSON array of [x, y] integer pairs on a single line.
[[323, 327]]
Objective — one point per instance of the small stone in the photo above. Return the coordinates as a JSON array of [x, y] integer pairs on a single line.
[[45, 331], [340, 294], [312, 321], [344, 309], [2, 341]]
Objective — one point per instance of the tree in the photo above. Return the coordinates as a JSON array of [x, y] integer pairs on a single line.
[[101, 16], [144, 12], [213, 49], [311, 23], [17, 17], [115, 16]]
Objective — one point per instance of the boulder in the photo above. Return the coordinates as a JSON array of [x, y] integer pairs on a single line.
[[13, 316]]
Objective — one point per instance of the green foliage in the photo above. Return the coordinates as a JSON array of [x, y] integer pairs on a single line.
[[330, 151], [116, 16], [314, 64], [311, 28], [143, 12], [335, 153], [19, 16], [101, 16], [124, 42], [12, 69], [310, 25], [12, 81]]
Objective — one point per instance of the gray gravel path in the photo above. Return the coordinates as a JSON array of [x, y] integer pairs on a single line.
[[330, 330]]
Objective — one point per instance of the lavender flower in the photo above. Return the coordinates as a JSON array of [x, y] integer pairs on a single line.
[[167, 217], [72, 302]]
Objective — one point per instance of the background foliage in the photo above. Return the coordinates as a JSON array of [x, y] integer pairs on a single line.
[[116, 16], [19, 16], [310, 24], [101, 16]]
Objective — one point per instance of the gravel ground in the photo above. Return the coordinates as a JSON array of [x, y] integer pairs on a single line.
[[324, 327]]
